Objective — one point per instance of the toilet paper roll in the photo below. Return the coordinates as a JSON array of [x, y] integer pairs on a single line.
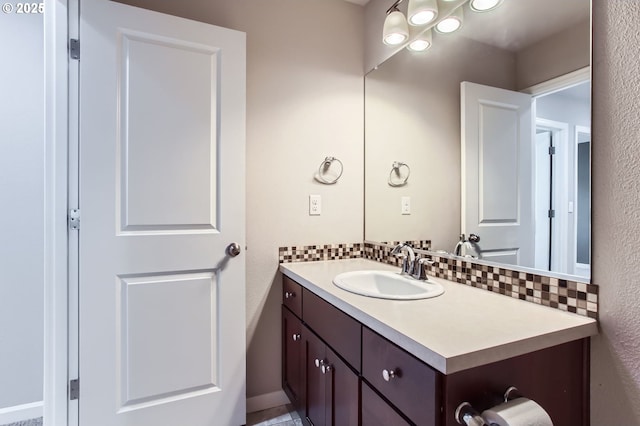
[[517, 412]]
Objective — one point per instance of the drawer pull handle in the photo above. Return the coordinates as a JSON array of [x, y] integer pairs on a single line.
[[319, 362], [289, 295], [296, 337], [387, 375], [326, 369]]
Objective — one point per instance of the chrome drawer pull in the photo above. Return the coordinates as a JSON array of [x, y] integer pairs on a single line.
[[387, 375], [319, 362], [326, 368], [296, 337], [289, 295]]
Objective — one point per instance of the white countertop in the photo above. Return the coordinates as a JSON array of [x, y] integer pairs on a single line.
[[464, 328]]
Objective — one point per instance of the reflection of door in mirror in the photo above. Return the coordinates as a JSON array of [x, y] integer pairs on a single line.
[[497, 179], [527, 192]]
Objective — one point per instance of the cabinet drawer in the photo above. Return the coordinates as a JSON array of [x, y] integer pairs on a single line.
[[338, 329], [376, 412], [414, 388], [292, 295]]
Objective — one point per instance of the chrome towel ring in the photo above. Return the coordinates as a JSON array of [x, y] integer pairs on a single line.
[[324, 167]]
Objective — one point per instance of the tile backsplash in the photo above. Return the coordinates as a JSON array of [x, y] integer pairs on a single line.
[[566, 295], [319, 252]]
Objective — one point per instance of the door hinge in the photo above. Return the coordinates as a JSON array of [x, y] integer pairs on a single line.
[[552, 150], [74, 219], [552, 214], [74, 48], [74, 389]]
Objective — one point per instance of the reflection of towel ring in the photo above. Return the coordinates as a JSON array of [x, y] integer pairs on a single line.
[[395, 167], [324, 168]]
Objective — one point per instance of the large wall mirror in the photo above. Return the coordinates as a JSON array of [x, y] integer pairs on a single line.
[[487, 133]]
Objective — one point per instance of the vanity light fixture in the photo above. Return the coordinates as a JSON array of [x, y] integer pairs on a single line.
[[421, 12], [395, 30], [451, 23], [484, 5], [422, 43]]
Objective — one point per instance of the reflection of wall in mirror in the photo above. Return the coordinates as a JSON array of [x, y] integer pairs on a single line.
[[412, 114]]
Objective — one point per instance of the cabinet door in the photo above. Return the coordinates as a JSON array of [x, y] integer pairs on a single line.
[[376, 412], [343, 392], [292, 357], [316, 400]]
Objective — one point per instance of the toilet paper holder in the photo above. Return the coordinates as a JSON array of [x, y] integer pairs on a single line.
[[465, 414]]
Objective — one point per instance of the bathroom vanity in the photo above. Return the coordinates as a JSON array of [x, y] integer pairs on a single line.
[[355, 360]]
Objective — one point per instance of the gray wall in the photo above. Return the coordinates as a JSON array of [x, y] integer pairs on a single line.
[[21, 209], [615, 363], [554, 56]]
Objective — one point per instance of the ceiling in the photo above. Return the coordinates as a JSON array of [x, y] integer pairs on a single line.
[[517, 24]]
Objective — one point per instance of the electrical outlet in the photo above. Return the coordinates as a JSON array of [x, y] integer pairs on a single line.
[[315, 205], [405, 203]]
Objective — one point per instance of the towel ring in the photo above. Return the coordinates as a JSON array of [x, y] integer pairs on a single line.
[[323, 168], [395, 167]]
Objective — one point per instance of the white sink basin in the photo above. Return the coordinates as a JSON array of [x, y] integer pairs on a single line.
[[387, 285]]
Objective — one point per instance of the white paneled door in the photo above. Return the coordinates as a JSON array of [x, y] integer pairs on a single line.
[[162, 304], [497, 172]]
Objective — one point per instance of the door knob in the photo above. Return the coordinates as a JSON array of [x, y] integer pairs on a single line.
[[233, 249]]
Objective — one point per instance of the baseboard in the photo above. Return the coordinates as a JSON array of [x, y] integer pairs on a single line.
[[19, 413], [267, 400]]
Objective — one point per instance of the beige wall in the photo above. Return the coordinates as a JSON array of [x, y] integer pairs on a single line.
[[412, 114], [554, 56], [304, 102], [615, 353]]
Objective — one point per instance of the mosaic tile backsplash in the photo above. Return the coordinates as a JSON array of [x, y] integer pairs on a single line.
[[566, 295]]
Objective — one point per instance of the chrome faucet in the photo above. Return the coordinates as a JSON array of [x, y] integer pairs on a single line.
[[411, 263], [470, 245], [458, 249], [408, 256]]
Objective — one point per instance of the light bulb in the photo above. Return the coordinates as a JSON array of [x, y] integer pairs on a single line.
[[484, 5], [422, 43], [395, 30], [451, 23], [419, 45], [421, 12]]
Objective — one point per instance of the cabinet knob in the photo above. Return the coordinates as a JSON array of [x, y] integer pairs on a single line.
[[289, 294], [326, 369], [318, 362], [387, 375], [296, 337]]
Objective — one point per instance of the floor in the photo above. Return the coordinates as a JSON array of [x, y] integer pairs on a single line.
[[285, 415], [32, 422]]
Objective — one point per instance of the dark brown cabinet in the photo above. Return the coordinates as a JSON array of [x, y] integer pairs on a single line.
[[338, 372], [332, 387], [410, 384], [376, 412], [292, 363]]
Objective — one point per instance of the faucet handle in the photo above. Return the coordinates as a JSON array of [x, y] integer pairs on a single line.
[[418, 272]]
